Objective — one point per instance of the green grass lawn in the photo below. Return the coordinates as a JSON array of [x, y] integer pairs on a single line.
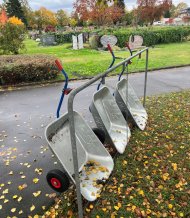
[[152, 177], [89, 62]]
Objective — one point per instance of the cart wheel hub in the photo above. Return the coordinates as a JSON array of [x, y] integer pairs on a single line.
[[55, 183]]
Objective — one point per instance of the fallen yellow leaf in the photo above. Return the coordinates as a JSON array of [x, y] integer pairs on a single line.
[[174, 165], [13, 210], [36, 194], [170, 206], [165, 176], [6, 191], [20, 212], [116, 207], [35, 180], [19, 199], [32, 208]]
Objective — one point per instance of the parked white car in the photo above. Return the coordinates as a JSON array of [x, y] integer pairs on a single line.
[[157, 23]]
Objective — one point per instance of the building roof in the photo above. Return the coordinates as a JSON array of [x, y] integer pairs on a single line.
[[186, 10]]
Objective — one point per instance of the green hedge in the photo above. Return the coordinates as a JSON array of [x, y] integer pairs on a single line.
[[16, 69], [152, 36]]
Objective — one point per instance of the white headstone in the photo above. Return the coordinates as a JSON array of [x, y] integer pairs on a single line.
[[108, 39], [80, 41], [75, 42], [135, 41]]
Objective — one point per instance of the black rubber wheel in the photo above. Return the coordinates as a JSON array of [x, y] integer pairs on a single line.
[[100, 134], [58, 180]]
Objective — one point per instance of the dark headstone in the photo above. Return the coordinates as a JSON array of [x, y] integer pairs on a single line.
[[48, 40]]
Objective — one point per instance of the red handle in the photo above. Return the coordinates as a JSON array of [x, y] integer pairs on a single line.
[[127, 45], [59, 65], [109, 48]]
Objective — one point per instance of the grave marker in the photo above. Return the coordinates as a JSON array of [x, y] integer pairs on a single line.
[[48, 40], [75, 42], [135, 42], [108, 39], [78, 42]]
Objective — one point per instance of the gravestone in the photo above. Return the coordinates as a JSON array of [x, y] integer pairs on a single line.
[[80, 41], [108, 39], [48, 40], [135, 42], [75, 42], [85, 37], [92, 34]]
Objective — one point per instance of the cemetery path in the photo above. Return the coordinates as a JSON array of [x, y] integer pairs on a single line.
[[24, 155]]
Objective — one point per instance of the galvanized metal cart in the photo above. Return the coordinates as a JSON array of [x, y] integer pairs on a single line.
[[95, 164], [130, 105], [109, 118]]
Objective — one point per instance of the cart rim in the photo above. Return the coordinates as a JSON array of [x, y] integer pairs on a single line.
[[55, 183]]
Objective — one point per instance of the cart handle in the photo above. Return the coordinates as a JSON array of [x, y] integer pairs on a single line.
[[111, 65], [66, 90], [127, 45], [59, 66]]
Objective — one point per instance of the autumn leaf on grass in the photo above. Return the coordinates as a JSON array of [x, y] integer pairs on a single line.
[[170, 206], [181, 183], [174, 165], [141, 192], [165, 176]]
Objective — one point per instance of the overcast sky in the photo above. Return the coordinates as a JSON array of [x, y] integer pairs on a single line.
[[67, 4]]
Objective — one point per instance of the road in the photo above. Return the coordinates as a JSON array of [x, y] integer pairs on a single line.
[[24, 155]]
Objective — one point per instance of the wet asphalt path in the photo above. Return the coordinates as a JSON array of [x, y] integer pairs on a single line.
[[24, 155]]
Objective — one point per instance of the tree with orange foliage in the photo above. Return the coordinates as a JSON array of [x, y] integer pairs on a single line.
[[42, 18], [99, 12], [151, 10], [3, 17]]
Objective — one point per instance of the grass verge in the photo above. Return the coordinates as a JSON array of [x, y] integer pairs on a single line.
[[88, 62], [152, 177]]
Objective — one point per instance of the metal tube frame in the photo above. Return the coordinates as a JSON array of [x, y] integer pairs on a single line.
[[72, 124]]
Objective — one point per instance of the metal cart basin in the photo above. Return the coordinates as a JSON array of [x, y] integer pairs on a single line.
[[130, 104], [95, 163], [109, 118]]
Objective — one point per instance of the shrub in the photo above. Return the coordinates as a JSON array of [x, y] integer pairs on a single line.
[[26, 68], [12, 37], [154, 36], [50, 29], [151, 36], [15, 20]]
